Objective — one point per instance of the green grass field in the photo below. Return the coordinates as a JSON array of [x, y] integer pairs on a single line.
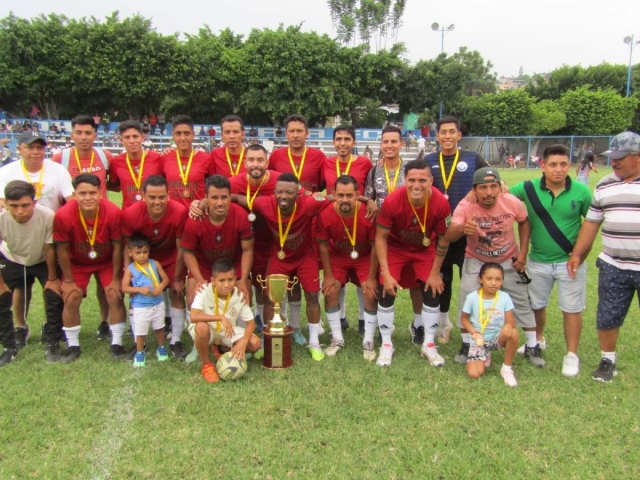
[[341, 418]]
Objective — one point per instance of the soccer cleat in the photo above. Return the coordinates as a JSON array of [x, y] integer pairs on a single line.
[[333, 349], [386, 355], [570, 365], [361, 327], [534, 354], [118, 353], [487, 362], [417, 334], [259, 355], [209, 373], [53, 354], [71, 355], [216, 351], [22, 335], [542, 343], [161, 353], [508, 377], [368, 351], [103, 333], [344, 323], [316, 352], [192, 357], [178, 351], [140, 359], [444, 333], [605, 371], [463, 353], [7, 356], [431, 353], [298, 337]]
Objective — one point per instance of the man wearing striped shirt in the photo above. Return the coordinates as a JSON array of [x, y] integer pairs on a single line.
[[615, 206]]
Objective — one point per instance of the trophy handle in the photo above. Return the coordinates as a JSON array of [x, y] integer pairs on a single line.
[[262, 281], [292, 283]]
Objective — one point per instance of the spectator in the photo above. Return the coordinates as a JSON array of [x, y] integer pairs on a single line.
[[106, 120], [26, 126], [16, 127], [96, 119], [368, 152], [253, 132], [146, 128], [433, 128], [35, 112], [5, 152], [212, 131], [153, 123], [162, 122], [201, 132], [424, 131]]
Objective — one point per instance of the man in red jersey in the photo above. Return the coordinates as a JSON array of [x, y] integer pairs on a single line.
[[129, 170], [162, 221], [345, 236], [88, 236], [184, 168], [289, 217], [228, 160], [409, 248]]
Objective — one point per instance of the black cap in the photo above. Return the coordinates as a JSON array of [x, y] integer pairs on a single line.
[[31, 136]]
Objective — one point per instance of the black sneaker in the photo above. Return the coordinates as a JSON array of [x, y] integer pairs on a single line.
[[7, 356], [344, 323], [534, 354], [178, 351], [71, 355], [103, 333], [118, 353], [22, 335], [52, 354], [417, 334], [463, 353], [361, 327], [605, 371]]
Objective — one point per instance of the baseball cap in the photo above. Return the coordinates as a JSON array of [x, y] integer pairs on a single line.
[[31, 136], [622, 145], [478, 176]]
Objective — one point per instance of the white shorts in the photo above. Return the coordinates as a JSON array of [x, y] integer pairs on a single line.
[[218, 337], [145, 317], [572, 293]]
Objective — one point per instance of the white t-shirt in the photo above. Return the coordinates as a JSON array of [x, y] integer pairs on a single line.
[[205, 301], [56, 182], [422, 143], [23, 243]]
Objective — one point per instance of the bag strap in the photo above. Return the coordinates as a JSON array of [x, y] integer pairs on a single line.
[[553, 229]]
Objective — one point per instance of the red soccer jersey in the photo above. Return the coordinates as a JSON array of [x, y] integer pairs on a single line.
[[67, 228], [359, 170], [311, 177], [209, 242], [299, 241], [89, 164], [119, 174], [330, 228], [404, 227], [161, 234], [201, 168], [223, 166]]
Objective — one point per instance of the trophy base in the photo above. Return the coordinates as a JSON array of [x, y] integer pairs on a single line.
[[277, 349]]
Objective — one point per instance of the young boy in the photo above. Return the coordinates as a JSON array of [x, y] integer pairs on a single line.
[[214, 314], [144, 279]]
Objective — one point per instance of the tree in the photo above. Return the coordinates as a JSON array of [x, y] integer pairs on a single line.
[[548, 118], [508, 113]]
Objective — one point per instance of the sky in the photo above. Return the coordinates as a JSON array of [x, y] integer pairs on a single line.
[[538, 36]]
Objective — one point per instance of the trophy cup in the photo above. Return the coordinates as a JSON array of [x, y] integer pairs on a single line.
[[277, 335]]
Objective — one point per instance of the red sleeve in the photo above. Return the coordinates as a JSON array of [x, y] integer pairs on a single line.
[[371, 233], [182, 214], [315, 205], [113, 172], [262, 204], [385, 214], [127, 228], [191, 235], [115, 223], [62, 231], [212, 164], [321, 233], [57, 157], [242, 223]]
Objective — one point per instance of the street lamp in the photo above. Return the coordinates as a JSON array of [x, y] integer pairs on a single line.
[[436, 28], [629, 41]]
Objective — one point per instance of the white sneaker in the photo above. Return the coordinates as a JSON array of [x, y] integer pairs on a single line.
[[444, 333], [193, 356], [508, 377], [333, 349], [570, 365], [431, 352], [368, 352], [385, 357], [542, 343]]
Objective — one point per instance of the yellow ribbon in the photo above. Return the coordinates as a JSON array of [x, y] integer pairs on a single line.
[[94, 232], [93, 157], [250, 199], [392, 187], [184, 174], [297, 173], [346, 172], [446, 181], [38, 186], [286, 232], [423, 224], [150, 274], [237, 171], [352, 240], [136, 181], [483, 324], [226, 305]]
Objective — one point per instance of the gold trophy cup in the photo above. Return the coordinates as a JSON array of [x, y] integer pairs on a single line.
[[277, 335]]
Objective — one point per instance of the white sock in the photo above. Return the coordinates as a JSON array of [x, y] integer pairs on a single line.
[[178, 316], [506, 367], [417, 320], [530, 338], [117, 331], [314, 331], [334, 324], [608, 355], [386, 317], [72, 334], [444, 319], [360, 303], [343, 303], [260, 311], [187, 317], [370, 324], [294, 316], [466, 337], [430, 317], [132, 323]]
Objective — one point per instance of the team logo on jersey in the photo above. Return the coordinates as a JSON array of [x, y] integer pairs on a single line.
[[156, 232], [414, 221], [233, 312], [462, 166], [218, 238]]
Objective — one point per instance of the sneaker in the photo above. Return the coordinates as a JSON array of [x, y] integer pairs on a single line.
[[444, 333], [209, 373], [487, 362], [462, 355], [193, 356], [368, 352], [118, 353], [298, 337], [22, 335], [140, 359], [508, 377], [605, 371], [417, 334], [534, 354], [259, 355], [178, 351], [103, 333], [570, 365], [52, 354], [431, 353], [385, 357], [542, 343], [333, 349], [7, 356], [361, 327], [344, 323], [161, 353], [71, 355], [316, 352]]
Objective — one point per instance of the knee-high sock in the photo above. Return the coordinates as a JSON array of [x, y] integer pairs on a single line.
[[370, 323], [294, 316], [178, 316], [386, 317], [360, 303], [343, 302], [430, 317], [314, 331], [417, 320], [117, 331], [72, 334], [334, 323]]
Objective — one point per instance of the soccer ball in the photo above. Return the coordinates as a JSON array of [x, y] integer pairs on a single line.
[[230, 368]]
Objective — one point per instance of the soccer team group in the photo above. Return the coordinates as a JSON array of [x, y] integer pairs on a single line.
[[197, 231]]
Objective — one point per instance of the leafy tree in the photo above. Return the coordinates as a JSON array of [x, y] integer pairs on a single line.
[[548, 118], [507, 113]]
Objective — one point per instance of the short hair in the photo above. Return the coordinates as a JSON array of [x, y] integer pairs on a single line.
[[217, 181], [127, 124], [155, 181], [232, 118], [416, 165], [17, 189], [490, 265], [256, 147], [84, 120], [137, 240], [344, 128], [222, 265], [296, 117], [346, 180], [288, 177], [392, 129], [86, 178], [449, 119], [182, 120], [556, 149]]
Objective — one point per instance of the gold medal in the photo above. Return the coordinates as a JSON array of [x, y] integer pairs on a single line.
[[446, 179], [186, 193], [281, 255], [426, 242], [283, 237], [423, 224]]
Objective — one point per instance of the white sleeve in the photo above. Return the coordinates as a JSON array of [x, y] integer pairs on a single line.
[[198, 301]]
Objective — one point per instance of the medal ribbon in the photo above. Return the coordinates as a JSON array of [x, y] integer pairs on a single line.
[[28, 177], [237, 171], [423, 224], [446, 181], [286, 232], [392, 186], [136, 181], [93, 157], [352, 240], [92, 237], [483, 324], [224, 311], [346, 172], [250, 199], [297, 173], [184, 175], [150, 274]]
